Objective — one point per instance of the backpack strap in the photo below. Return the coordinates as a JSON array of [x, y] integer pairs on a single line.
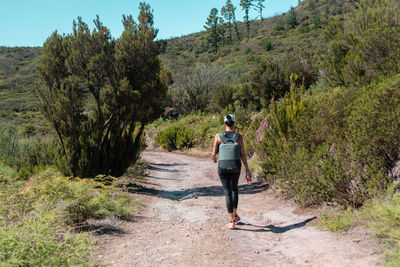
[[236, 137], [223, 137]]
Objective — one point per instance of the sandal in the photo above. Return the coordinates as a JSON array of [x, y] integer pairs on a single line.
[[230, 225], [237, 219]]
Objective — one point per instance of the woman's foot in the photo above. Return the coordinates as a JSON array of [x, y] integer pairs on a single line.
[[237, 218], [230, 225]]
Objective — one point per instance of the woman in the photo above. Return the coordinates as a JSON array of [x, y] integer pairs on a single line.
[[230, 179]]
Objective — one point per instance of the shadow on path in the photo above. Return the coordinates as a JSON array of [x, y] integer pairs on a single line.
[[100, 229], [205, 191], [168, 164], [153, 168], [274, 229]]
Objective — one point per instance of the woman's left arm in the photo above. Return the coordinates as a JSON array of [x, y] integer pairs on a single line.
[[215, 148]]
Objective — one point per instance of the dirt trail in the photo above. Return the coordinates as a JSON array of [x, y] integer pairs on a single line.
[[182, 224]]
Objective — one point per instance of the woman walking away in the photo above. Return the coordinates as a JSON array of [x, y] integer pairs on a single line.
[[229, 145]]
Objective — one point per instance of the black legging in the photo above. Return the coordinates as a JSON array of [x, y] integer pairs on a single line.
[[230, 185]]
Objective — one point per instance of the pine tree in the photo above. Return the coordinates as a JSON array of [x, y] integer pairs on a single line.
[[246, 6], [214, 29], [259, 6], [228, 12]]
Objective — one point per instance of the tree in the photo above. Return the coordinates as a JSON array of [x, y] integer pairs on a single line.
[[99, 93], [228, 12], [192, 91], [291, 19], [246, 5], [214, 29], [271, 78], [259, 6]]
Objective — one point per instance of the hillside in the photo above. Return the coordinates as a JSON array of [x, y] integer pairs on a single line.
[[17, 77], [271, 38], [18, 74]]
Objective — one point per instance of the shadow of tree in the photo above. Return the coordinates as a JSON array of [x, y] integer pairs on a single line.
[[195, 192], [168, 164], [274, 229], [186, 193], [153, 168]]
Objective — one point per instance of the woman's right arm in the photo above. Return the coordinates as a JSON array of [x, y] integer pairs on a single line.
[[215, 148]]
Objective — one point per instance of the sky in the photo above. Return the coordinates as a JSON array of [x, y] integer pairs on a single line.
[[30, 22]]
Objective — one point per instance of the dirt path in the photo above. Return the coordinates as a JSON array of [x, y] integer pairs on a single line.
[[183, 217]]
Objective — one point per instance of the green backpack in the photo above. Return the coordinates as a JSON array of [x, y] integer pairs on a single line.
[[229, 152]]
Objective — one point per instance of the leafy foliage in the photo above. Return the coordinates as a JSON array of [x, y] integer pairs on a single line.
[[228, 12], [167, 138], [174, 137], [99, 93], [196, 130], [39, 241], [246, 6], [215, 33], [339, 147], [193, 91], [364, 47], [291, 19], [271, 78], [24, 155], [34, 217]]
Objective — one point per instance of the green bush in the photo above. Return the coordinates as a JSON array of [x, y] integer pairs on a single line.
[[189, 131], [41, 241], [339, 146], [267, 46], [37, 217], [363, 47], [76, 200], [373, 133], [220, 98], [248, 50], [337, 222], [24, 155], [272, 77], [184, 138], [166, 138], [175, 137]]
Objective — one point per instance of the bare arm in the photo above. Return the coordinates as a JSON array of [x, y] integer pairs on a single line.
[[243, 154], [215, 148]]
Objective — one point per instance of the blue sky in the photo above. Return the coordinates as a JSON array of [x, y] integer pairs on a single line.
[[30, 22]]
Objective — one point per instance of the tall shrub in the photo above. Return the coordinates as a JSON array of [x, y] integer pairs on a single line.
[[99, 93], [341, 147], [364, 47]]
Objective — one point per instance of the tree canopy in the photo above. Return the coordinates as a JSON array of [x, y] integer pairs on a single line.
[[98, 93]]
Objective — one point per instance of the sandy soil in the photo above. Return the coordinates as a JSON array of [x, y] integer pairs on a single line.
[[182, 219]]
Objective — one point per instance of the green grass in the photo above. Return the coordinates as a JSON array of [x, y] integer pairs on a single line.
[[337, 222]]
